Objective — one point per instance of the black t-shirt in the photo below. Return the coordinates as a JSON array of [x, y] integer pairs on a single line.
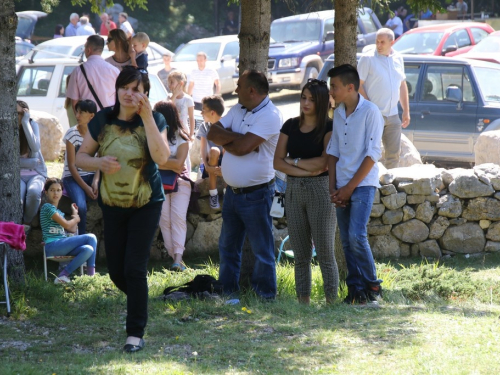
[[304, 145], [138, 182]]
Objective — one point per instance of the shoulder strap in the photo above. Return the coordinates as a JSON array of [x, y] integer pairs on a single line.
[[91, 88]]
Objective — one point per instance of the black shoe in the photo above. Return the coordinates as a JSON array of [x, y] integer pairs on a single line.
[[350, 295], [129, 348], [359, 298], [374, 293]]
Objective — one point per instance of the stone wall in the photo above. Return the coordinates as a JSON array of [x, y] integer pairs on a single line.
[[431, 212]]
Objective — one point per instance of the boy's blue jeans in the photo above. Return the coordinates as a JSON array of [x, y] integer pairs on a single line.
[[82, 247], [248, 214], [78, 196], [352, 221]]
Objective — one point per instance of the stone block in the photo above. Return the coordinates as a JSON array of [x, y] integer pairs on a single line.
[[377, 210], [465, 239], [425, 212], [412, 231], [408, 213], [438, 226], [415, 199], [482, 209], [430, 248], [392, 216], [387, 189], [394, 201]]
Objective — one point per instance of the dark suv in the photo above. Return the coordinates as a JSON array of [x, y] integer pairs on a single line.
[[300, 44], [452, 100]]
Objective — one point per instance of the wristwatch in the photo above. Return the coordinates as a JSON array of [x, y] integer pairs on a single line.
[[296, 162]]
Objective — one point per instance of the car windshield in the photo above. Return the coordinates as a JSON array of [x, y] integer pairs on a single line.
[[190, 50], [418, 43], [47, 51], [488, 79], [490, 44], [296, 31]]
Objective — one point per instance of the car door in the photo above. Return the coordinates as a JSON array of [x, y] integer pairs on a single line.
[[459, 39], [58, 109], [367, 29], [328, 45], [412, 72], [446, 129], [35, 85], [227, 66]]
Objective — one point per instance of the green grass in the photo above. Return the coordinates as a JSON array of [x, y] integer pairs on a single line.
[[435, 319]]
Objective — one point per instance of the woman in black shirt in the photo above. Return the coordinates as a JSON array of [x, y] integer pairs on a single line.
[[301, 154]]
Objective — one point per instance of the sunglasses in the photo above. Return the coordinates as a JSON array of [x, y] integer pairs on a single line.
[[315, 81], [109, 40]]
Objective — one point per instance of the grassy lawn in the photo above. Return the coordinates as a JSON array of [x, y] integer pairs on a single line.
[[435, 319]]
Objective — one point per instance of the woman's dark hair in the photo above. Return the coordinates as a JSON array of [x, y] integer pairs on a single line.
[[120, 39], [23, 142], [171, 114], [51, 181], [320, 95], [58, 29], [86, 106], [128, 75]]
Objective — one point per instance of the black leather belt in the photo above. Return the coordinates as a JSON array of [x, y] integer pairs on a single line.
[[248, 189]]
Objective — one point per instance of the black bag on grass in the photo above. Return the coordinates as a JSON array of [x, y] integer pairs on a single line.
[[197, 286]]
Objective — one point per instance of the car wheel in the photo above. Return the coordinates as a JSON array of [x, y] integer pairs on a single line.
[[311, 72]]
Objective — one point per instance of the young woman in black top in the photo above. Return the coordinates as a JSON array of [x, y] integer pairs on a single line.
[[301, 154]]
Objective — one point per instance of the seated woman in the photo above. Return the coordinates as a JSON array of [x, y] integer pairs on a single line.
[[79, 183], [82, 247], [33, 169], [173, 213]]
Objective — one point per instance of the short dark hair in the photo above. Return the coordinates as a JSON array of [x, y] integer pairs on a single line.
[[51, 181], [86, 106], [347, 74], [95, 42], [257, 80], [214, 103]]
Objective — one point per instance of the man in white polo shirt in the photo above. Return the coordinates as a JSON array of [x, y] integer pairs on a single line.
[[383, 82], [202, 81], [249, 134]]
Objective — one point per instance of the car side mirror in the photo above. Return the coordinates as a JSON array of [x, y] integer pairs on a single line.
[[329, 36], [449, 49], [453, 94], [225, 58]]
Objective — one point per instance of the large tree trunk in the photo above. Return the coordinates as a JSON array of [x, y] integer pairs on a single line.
[[254, 51], [10, 199], [254, 34], [346, 35]]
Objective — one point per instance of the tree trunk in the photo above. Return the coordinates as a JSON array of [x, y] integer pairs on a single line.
[[346, 35], [254, 34], [340, 256], [254, 51], [10, 199]]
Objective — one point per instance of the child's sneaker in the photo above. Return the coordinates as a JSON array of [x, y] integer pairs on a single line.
[[62, 280], [214, 202], [374, 293], [356, 297]]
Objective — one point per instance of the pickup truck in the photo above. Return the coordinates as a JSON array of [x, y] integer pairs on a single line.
[[300, 44]]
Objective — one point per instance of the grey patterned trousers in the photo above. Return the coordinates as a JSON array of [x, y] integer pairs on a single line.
[[311, 217]]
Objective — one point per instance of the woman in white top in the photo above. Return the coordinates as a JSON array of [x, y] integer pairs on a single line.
[[173, 214]]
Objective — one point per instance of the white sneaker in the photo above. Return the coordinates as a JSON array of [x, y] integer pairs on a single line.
[[214, 202], [62, 280]]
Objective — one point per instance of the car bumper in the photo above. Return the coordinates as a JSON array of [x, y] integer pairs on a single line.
[[282, 78]]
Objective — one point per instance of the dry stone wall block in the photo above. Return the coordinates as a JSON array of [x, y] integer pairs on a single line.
[[449, 206], [412, 231], [482, 209], [394, 201], [415, 199], [484, 224], [464, 239], [205, 238], [384, 246], [387, 189], [493, 232], [408, 213], [438, 227], [425, 212], [430, 248], [376, 228], [469, 186], [377, 210], [492, 246], [392, 216]]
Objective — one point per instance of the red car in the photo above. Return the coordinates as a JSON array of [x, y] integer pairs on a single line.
[[446, 39], [487, 50]]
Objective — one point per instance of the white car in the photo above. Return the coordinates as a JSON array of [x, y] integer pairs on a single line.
[[221, 51], [42, 84], [73, 46]]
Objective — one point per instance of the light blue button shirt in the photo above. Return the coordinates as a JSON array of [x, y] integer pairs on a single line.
[[354, 138]]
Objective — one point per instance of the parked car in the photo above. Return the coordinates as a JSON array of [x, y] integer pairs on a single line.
[[42, 84], [452, 100], [447, 39], [301, 43], [221, 51], [74, 46], [487, 50], [22, 48], [26, 22]]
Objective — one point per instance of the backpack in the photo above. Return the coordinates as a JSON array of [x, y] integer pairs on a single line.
[[197, 286]]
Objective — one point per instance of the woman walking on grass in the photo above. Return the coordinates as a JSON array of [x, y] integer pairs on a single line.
[[131, 140], [301, 154]]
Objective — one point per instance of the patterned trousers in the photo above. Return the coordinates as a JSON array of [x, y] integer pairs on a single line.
[[311, 217]]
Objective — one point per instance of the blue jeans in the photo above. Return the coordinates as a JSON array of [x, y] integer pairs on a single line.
[[248, 214], [352, 221], [82, 247], [78, 196]]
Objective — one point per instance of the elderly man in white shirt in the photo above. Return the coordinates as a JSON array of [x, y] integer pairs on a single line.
[[249, 134], [383, 82]]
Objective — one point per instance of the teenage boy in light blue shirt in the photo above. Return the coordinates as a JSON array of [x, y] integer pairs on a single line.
[[353, 152]]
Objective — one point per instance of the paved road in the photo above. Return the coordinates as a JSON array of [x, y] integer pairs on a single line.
[[286, 100]]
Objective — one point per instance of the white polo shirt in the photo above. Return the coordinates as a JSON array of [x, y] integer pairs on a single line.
[[203, 83], [382, 76], [353, 139], [255, 168]]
